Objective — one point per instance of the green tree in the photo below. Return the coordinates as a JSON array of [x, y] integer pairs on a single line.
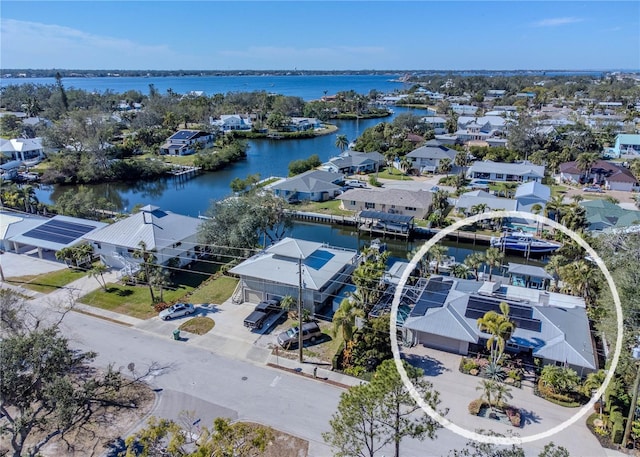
[[98, 271], [148, 264], [368, 275], [437, 254], [493, 257], [460, 270], [342, 142], [372, 416], [474, 261], [561, 380], [499, 328], [345, 318], [46, 386], [444, 166], [585, 161]]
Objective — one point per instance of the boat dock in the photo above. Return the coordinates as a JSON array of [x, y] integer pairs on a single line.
[[183, 170], [323, 218]]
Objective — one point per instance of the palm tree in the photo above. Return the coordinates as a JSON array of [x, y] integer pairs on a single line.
[[501, 392], [444, 166], [537, 208], [82, 254], [554, 206], [460, 270], [27, 195], [499, 327], [345, 318], [462, 160], [342, 142], [493, 258], [406, 164], [474, 261], [579, 279], [98, 272], [585, 161], [421, 265], [148, 264], [438, 253], [65, 255], [488, 387]]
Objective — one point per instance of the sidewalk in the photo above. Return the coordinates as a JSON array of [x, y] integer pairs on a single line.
[[323, 372]]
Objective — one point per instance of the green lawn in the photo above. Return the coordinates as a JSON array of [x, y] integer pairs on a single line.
[[392, 173], [133, 301], [217, 291], [328, 207], [48, 282]]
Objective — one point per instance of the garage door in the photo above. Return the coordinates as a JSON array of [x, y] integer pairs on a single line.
[[441, 342], [252, 296]]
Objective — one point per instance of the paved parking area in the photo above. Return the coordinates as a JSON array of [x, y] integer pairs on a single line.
[[457, 390], [14, 265]]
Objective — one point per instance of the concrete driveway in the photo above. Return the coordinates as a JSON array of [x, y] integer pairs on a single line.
[[14, 265]]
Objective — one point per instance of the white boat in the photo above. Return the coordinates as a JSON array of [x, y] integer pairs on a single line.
[[523, 242], [446, 264]]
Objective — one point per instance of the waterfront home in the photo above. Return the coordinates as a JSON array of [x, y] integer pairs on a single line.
[[354, 162], [28, 151], [166, 235], [230, 122], [427, 158], [551, 326], [464, 110], [486, 125], [185, 142], [626, 145], [302, 124], [602, 173], [415, 203], [603, 215], [505, 172], [312, 185], [437, 123], [23, 233], [275, 272], [531, 193], [528, 276], [479, 201]]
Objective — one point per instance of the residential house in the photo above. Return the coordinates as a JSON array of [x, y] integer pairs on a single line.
[[302, 124], [532, 193], [528, 276], [166, 235], [354, 162], [27, 233], [312, 185], [427, 158], [495, 93], [275, 272], [230, 122], [464, 110], [603, 216], [437, 123], [602, 173], [185, 142], [393, 201], [626, 145], [27, 151], [469, 203], [505, 172], [551, 326]]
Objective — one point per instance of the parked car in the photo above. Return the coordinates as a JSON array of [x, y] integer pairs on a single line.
[[177, 310], [592, 189], [355, 183], [262, 312], [310, 332]]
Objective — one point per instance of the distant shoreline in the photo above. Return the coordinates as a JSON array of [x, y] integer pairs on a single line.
[[71, 73]]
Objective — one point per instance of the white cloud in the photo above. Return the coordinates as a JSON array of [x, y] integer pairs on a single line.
[[557, 21], [35, 45]]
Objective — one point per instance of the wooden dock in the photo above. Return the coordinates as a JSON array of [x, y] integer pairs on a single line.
[[183, 170]]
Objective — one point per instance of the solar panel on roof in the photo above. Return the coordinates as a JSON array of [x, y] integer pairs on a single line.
[[520, 315], [58, 231]]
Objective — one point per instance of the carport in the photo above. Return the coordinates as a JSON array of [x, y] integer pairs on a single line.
[[54, 234]]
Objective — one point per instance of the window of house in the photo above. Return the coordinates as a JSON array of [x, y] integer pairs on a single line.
[[499, 176], [352, 202], [369, 205], [409, 208]]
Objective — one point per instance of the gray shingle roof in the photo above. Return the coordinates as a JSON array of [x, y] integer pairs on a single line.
[[310, 181], [398, 197]]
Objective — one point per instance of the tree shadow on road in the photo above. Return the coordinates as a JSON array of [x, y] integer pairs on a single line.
[[430, 365], [528, 417]]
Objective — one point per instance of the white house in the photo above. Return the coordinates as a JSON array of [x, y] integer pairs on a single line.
[[354, 162], [29, 151], [437, 123], [427, 158], [185, 142], [167, 235], [230, 122], [505, 172], [274, 272]]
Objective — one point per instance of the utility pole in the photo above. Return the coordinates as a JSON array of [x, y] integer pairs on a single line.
[[634, 402], [300, 358]]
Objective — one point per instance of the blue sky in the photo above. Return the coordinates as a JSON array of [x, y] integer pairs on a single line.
[[320, 35]]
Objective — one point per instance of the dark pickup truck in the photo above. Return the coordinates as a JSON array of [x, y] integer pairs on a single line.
[[261, 313]]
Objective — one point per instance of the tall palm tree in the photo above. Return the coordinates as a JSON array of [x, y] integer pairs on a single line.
[[98, 271], [444, 166], [488, 387], [27, 195], [406, 164], [437, 254], [500, 393], [499, 328], [554, 207], [585, 161], [474, 261], [537, 208], [493, 258], [345, 318], [148, 265], [342, 142], [460, 270], [462, 160]]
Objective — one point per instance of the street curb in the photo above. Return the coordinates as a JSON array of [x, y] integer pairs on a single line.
[[299, 371]]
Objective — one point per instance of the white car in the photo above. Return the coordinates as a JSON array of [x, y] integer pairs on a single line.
[[177, 310], [355, 183]]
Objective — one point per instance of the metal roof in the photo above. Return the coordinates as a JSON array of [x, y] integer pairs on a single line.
[[528, 270], [382, 216]]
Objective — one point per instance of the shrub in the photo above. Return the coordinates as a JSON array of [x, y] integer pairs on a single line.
[[476, 405], [514, 374], [514, 415], [160, 306], [617, 431], [468, 365]]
